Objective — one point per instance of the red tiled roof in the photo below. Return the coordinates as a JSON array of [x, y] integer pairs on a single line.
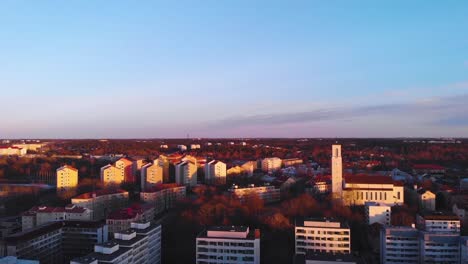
[[364, 179]]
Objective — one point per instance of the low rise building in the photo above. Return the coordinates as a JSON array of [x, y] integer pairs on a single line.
[[121, 219], [164, 196], [292, 162], [39, 215], [102, 202], [12, 151], [438, 222], [381, 189], [378, 213], [228, 244], [268, 194], [322, 235]]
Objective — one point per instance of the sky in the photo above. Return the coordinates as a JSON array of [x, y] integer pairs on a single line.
[[165, 69]]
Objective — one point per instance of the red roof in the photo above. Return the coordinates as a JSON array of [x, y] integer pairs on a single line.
[[365, 179], [130, 212]]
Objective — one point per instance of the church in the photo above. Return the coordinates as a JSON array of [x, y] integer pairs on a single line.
[[357, 190]]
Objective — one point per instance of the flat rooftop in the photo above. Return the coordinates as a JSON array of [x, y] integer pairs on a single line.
[[320, 222], [229, 232]]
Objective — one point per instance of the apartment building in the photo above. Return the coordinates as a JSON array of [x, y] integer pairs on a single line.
[[153, 232], [438, 222], [268, 194], [399, 244], [67, 177], [186, 173], [121, 219], [138, 244], [39, 215], [151, 175], [111, 175], [107, 253], [56, 242], [15, 260], [271, 165], [464, 250], [228, 244], [324, 258], [125, 167], [438, 247], [322, 235], [215, 172], [12, 151], [164, 196], [102, 202], [378, 213], [43, 243], [164, 163]]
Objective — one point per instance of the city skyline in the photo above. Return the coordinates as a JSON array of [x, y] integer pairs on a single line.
[[240, 69]]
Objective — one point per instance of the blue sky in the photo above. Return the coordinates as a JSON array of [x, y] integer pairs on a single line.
[[126, 69]]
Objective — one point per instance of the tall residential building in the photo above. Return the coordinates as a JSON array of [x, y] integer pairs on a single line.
[[438, 247], [164, 162], [102, 202], [378, 213], [121, 171], [164, 196], [153, 232], [39, 215], [67, 177], [399, 244], [111, 175], [228, 244], [271, 165], [337, 172], [322, 235], [141, 244], [151, 175], [215, 172], [186, 173], [464, 250], [126, 169]]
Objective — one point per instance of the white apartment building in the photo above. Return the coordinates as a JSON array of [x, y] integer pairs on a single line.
[[215, 172], [228, 244], [153, 232], [182, 147], [271, 165], [67, 177], [267, 193], [39, 215], [399, 244], [186, 173], [378, 213], [438, 222], [195, 146], [138, 244], [151, 175], [102, 202], [437, 247], [164, 196], [109, 253], [322, 235]]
